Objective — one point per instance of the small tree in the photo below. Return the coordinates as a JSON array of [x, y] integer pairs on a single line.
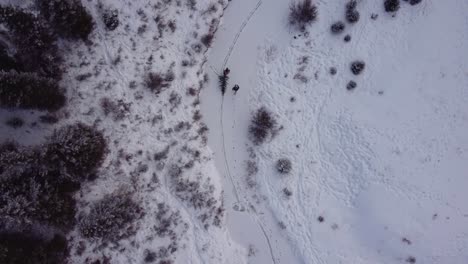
[[352, 15], [30, 91], [69, 18], [302, 13]]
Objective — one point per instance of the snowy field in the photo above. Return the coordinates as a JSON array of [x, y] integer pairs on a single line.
[[379, 172]]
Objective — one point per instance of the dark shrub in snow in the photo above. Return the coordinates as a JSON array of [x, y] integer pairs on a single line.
[[157, 82], [261, 126], [351, 85], [283, 166], [347, 38], [302, 13], [357, 67], [333, 71], [109, 217], [207, 39], [111, 19], [27, 248], [352, 15], [33, 41], [414, 2], [15, 122], [337, 27], [30, 91], [392, 5], [78, 148], [69, 18]]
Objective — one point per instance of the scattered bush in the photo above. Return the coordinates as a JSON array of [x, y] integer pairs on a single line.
[[27, 248], [391, 5], [351, 85], [337, 27], [30, 91], [111, 19], [15, 122], [333, 71], [284, 166], [357, 67], [157, 82], [261, 126], [110, 217], [69, 18], [78, 148], [34, 43], [302, 13], [352, 15]]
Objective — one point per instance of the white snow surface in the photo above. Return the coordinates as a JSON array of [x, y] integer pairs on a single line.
[[384, 165]]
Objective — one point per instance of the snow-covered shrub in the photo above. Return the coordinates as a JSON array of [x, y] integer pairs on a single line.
[[69, 18], [111, 19], [351, 14], [302, 13], [158, 82], [15, 122], [30, 91], [347, 38], [110, 218], [284, 166], [78, 148], [357, 67], [262, 126], [33, 41], [392, 5], [28, 248], [337, 27]]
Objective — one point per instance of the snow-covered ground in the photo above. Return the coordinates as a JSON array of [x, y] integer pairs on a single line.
[[382, 166]]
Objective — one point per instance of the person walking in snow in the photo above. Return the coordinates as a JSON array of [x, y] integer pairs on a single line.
[[235, 89]]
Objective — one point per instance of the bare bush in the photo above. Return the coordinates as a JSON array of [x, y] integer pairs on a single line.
[[284, 166], [157, 82], [30, 91], [302, 13], [110, 217], [262, 126]]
